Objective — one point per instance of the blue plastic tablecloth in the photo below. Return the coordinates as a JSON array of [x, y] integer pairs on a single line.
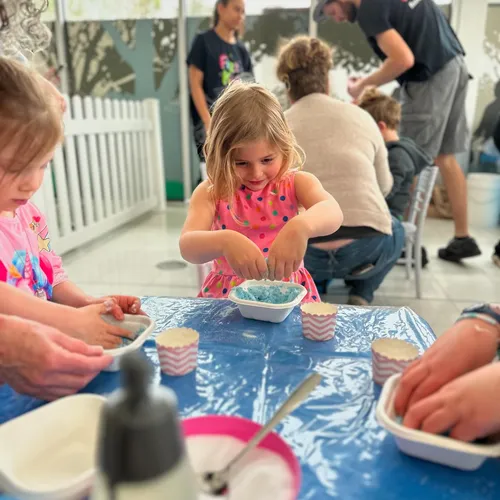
[[247, 368]]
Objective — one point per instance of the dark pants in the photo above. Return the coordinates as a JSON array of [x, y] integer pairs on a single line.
[[381, 252], [200, 136]]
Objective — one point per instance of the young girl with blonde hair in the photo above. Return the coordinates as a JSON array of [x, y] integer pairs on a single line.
[[31, 130], [246, 217]]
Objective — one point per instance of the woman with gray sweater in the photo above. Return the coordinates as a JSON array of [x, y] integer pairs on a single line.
[[345, 150]]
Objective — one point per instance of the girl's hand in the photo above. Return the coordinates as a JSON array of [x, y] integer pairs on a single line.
[[244, 257], [88, 325], [124, 305], [287, 251], [466, 346], [468, 407]]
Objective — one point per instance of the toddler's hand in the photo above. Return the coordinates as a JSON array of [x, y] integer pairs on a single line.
[[466, 346], [125, 305], [245, 258], [287, 251], [468, 407], [89, 326]]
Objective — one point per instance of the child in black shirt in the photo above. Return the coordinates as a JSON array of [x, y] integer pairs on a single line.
[[406, 158]]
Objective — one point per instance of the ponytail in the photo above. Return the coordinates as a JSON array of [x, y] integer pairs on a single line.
[[215, 17]]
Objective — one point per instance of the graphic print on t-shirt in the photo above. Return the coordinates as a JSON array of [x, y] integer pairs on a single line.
[[229, 69], [28, 268]]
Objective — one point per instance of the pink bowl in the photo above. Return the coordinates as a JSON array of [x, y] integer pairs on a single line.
[[244, 430]]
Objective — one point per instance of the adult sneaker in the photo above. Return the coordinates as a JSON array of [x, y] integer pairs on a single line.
[[458, 249]]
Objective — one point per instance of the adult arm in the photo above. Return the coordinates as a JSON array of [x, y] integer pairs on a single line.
[[197, 93], [400, 59], [41, 361], [196, 63], [381, 163]]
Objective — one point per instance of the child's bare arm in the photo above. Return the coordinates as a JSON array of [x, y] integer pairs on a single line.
[[84, 323], [198, 243], [322, 215], [69, 294]]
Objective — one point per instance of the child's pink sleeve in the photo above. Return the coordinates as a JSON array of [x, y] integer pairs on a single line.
[[47, 255]]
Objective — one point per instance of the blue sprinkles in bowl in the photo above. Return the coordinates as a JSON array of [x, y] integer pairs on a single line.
[[126, 342], [268, 294]]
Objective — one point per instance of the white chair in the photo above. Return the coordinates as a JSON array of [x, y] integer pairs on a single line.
[[414, 226]]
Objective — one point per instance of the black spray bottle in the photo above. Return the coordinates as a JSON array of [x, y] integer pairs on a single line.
[[142, 453]]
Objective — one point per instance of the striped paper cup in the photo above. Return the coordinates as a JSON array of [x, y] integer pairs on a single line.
[[178, 351], [319, 320], [391, 356]]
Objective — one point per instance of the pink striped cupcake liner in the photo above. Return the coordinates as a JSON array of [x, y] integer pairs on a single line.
[[319, 320], [178, 351], [391, 356]]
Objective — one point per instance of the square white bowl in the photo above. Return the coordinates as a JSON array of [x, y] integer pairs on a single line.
[[273, 313], [134, 324], [50, 453], [439, 449]]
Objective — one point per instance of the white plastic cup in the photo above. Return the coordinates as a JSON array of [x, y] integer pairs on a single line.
[[391, 356], [178, 351], [319, 320]]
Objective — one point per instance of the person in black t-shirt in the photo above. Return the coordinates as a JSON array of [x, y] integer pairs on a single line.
[[420, 50], [216, 58]]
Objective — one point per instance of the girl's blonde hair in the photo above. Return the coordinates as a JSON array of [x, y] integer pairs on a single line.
[[30, 116], [246, 112], [303, 66]]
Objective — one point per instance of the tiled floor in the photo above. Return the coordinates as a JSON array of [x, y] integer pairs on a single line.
[[126, 262]]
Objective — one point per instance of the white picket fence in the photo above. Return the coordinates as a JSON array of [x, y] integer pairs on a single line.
[[108, 172]]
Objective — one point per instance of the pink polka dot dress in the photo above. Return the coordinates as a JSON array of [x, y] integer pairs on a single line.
[[260, 216]]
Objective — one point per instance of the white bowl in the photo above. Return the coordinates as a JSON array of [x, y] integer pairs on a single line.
[[134, 324], [50, 453], [273, 313], [439, 449]]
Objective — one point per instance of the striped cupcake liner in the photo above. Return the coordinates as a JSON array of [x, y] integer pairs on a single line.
[[316, 326], [384, 366], [178, 361]]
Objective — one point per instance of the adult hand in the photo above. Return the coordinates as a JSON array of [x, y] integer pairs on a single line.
[[467, 407], [86, 323], [40, 361], [466, 346], [287, 251], [244, 257], [355, 87]]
